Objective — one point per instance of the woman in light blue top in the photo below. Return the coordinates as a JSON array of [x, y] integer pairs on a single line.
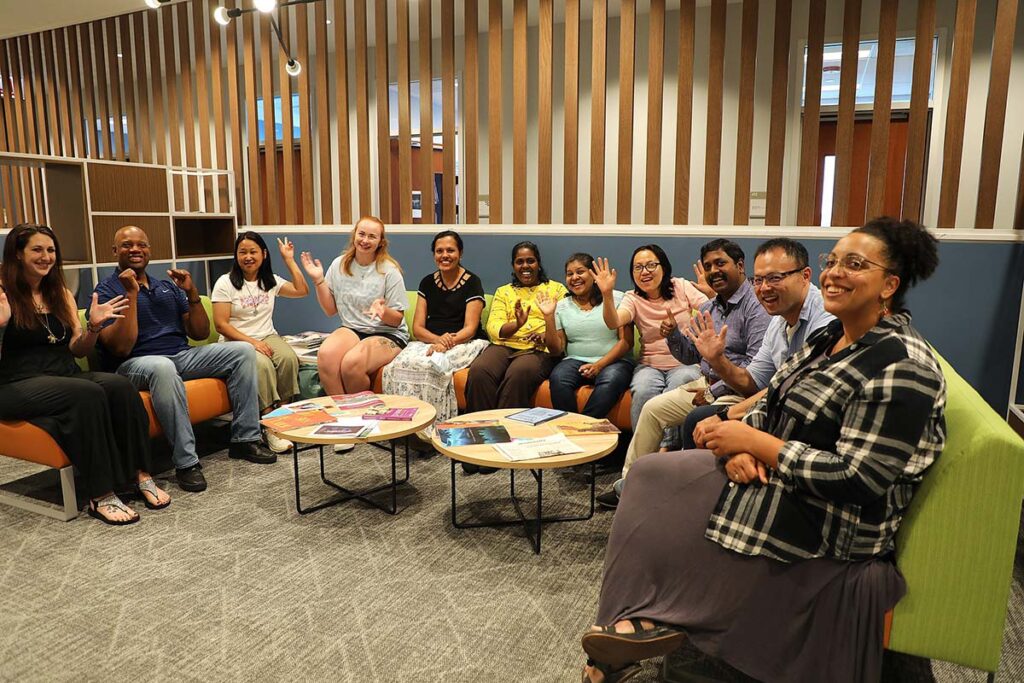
[[593, 353]]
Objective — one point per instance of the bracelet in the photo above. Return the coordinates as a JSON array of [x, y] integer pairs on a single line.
[[317, 284], [193, 303], [91, 329]]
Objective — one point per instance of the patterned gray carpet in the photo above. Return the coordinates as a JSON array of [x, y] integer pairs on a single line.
[[232, 584]]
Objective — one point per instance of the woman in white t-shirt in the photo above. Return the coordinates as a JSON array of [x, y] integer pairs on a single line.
[[243, 310]]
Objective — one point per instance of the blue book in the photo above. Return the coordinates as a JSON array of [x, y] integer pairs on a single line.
[[535, 416]]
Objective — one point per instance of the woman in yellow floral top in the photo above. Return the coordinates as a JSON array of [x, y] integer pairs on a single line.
[[508, 372]]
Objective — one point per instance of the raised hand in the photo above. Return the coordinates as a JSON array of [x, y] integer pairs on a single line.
[[701, 282], [129, 280], [668, 323], [5, 308], [376, 309], [111, 310], [522, 314], [701, 331], [743, 468], [545, 303], [312, 266], [182, 278], [604, 276], [286, 248]]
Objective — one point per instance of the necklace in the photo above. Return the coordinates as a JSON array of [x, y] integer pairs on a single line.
[[254, 298], [50, 336]]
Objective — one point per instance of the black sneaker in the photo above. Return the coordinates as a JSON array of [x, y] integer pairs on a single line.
[[488, 470], [252, 452], [191, 478], [609, 499]]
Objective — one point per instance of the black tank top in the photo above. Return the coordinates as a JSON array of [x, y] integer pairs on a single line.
[[31, 352]]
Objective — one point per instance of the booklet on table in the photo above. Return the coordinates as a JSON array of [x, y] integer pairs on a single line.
[[542, 447], [536, 416]]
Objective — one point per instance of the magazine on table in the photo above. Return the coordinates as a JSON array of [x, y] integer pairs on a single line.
[[536, 416], [361, 400], [469, 436], [542, 447], [396, 414], [335, 429], [304, 418], [586, 425], [305, 340]]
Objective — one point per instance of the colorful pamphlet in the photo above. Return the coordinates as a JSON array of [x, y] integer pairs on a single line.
[[467, 423], [398, 414], [586, 426], [351, 431], [305, 418], [543, 447], [535, 416], [469, 436], [362, 400]]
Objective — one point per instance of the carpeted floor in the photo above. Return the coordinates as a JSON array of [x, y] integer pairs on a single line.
[[232, 584]]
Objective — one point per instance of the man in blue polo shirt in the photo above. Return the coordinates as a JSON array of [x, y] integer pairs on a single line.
[[150, 347]]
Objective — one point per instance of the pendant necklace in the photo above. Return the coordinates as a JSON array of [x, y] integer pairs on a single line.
[[255, 302], [50, 336]]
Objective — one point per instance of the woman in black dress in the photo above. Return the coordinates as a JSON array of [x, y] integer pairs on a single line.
[[42, 384], [773, 549]]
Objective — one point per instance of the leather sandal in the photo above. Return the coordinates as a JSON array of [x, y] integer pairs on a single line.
[[115, 503], [610, 675], [149, 486], [610, 647]]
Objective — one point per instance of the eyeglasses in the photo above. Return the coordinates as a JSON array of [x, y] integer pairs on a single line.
[[649, 267], [773, 279], [851, 263]]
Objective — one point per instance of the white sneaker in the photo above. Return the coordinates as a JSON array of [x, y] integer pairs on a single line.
[[343, 447], [276, 443]]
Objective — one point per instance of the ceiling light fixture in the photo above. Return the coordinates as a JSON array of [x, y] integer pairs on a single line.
[[155, 4], [265, 6], [224, 15]]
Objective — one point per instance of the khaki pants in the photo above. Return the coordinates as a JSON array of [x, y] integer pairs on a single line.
[[667, 410], [277, 378]]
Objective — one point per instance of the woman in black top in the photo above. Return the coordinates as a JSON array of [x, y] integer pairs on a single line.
[[43, 385], [447, 329]]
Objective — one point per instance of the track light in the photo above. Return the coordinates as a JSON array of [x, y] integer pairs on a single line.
[[293, 68], [155, 4], [265, 6], [223, 15]]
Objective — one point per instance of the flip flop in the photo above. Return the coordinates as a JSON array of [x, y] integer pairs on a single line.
[[111, 501], [610, 647], [149, 486]]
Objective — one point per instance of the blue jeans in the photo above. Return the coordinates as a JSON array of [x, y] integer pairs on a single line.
[[609, 385], [164, 377], [649, 382], [698, 414]]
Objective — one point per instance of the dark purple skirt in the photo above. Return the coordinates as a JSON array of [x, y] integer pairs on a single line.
[[813, 620]]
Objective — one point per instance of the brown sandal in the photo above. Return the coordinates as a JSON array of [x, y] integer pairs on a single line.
[[609, 647]]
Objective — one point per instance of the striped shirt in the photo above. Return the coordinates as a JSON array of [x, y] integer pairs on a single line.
[[861, 427]]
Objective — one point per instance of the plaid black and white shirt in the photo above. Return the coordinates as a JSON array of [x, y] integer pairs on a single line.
[[861, 427]]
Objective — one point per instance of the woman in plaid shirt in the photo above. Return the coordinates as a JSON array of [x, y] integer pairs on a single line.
[[772, 549]]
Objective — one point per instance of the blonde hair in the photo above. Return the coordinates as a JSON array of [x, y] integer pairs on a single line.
[[382, 257]]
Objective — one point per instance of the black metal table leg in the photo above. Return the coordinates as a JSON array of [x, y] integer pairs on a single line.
[[348, 494]]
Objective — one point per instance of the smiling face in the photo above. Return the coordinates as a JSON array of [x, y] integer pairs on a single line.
[[447, 255], [857, 296], [131, 247], [250, 257], [367, 237], [647, 273], [38, 257], [787, 297], [722, 273], [578, 278], [526, 267]]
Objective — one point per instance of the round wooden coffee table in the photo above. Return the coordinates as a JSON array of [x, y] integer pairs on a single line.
[[595, 447], [390, 431]]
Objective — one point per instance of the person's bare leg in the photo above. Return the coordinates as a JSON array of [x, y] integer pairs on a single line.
[[113, 513], [330, 356], [368, 356]]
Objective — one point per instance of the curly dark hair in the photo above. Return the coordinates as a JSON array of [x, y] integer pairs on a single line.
[[912, 252]]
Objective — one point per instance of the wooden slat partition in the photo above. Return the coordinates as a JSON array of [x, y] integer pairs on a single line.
[[289, 213], [270, 192], [82, 60], [144, 130], [159, 109], [257, 178], [655, 114], [217, 88], [494, 41], [777, 125], [544, 76], [114, 79], [69, 44], [362, 109], [204, 157], [188, 115], [425, 170], [917, 126], [472, 113], [323, 116], [404, 117], [234, 97], [879, 160], [174, 157], [380, 72], [745, 118], [1018, 214], [812, 114], [627, 60], [46, 66], [96, 51], [847, 106], [519, 95], [448, 108], [684, 114], [570, 173], [130, 85], [995, 112], [716, 74], [599, 67], [20, 179], [305, 179], [956, 112], [341, 98]]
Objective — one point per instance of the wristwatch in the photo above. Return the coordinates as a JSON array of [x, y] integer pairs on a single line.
[[723, 413]]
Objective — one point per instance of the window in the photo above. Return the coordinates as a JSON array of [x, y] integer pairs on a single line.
[[867, 65], [278, 125]]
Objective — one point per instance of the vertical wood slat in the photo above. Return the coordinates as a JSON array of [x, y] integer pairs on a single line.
[[5, 96], [716, 73], [745, 118], [167, 60], [684, 114], [188, 119], [35, 126], [425, 170], [404, 117], [627, 61], [130, 86], [307, 213], [777, 125], [161, 115], [494, 86], [448, 107], [879, 160], [847, 108], [114, 84], [82, 60], [956, 112], [655, 114], [519, 97], [17, 126], [270, 186], [290, 193], [995, 112], [544, 133], [217, 88], [28, 96], [237, 164], [144, 133], [380, 72], [44, 133], [323, 116], [257, 183], [11, 198], [471, 95], [104, 148], [201, 62], [570, 174], [47, 69], [362, 110], [341, 108], [806, 196], [598, 96], [1018, 214], [74, 87], [917, 127]]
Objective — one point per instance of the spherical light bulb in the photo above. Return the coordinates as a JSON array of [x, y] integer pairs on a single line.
[[265, 6], [153, 4], [220, 15], [293, 67]]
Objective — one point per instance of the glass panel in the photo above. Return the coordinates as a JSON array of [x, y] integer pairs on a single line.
[[867, 65]]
